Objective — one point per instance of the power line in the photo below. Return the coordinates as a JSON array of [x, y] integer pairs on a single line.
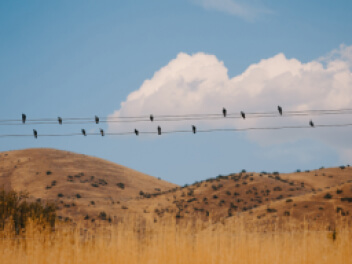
[[170, 118], [183, 131]]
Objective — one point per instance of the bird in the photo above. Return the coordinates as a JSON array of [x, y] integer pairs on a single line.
[[102, 132], [24, 118], [96, 119], [136, 132], [60, 120], [194, 129], [243, 115], [224, 112], [279, 108], [83, 132], [151, 118], [159, 130], [35, 133], [311, 123]]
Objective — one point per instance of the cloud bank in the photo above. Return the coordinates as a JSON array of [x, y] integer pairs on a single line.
[[244, 9], [199, 83]]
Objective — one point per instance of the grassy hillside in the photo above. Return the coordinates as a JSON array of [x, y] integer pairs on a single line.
[[80, 185]]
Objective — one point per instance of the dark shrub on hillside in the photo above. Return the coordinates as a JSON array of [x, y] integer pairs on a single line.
[[49, 173], [327, 196], [121, 185], [102, 215]]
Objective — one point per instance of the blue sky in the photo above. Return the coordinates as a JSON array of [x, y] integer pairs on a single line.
[[84, 58]]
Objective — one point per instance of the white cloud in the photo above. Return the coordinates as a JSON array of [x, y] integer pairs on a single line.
[[199, 83], [244, 9]]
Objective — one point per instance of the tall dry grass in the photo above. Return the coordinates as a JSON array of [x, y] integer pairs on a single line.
[[137, 241]]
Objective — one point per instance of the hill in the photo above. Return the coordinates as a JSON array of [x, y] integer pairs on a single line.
[[84, 187], [80, 185]]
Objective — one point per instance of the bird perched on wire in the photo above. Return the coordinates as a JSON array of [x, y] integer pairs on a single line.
[[224, 111], [136, 132], [243, 115], [194, 129], [24, 118], [279, 108], [151, 118], [60, 120], [102, 132], [159, 130], [96, 119], [35, 133], [311, 123], [83, 132]]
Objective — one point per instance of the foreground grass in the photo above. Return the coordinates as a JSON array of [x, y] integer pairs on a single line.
[[168, 242]]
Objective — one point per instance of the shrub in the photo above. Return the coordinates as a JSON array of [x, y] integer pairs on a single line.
[[78, 195], [60, 195], [289, 200], [271, 210], [342, 167], [95, 185], [327, 196], [141, 193], [338, 191], [48, 172], [215, 196], [121, 185], [286, 213], [102, 215]]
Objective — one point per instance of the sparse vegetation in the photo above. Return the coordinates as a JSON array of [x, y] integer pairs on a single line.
[[121, 185]]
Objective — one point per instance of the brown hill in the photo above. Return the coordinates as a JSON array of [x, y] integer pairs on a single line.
[[79, 184], [89, 188], [323, 195]]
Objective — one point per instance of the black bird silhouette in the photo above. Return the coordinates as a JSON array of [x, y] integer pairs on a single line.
[[35, 133], [102, 132], [194, 129], [279, 108], [136, 132], [224, 112], [159, 130], [311, 123], [96, 119], [243, 115], [24, 118], [83, 132], [151, 118], [60, 120]]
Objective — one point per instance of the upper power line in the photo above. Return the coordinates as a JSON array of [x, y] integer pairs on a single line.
[[171, 118]]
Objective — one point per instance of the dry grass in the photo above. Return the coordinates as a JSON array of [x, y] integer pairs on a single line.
[[137, 241]]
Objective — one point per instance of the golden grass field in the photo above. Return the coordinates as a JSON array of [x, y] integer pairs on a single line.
[[168, 242]]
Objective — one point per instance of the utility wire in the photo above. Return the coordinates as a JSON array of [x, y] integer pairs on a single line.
[[171, 118], [183, 131]]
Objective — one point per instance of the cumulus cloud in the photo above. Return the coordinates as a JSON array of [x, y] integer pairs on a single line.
[[199, 84], [247, 10]]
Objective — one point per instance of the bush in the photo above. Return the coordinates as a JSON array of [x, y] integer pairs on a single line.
[[338, 191], [121, 185], [102, 215], [327, 196], [60, 195], [49, 172], [271, 210], [78, 195], [16, 209], [289, 200]]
